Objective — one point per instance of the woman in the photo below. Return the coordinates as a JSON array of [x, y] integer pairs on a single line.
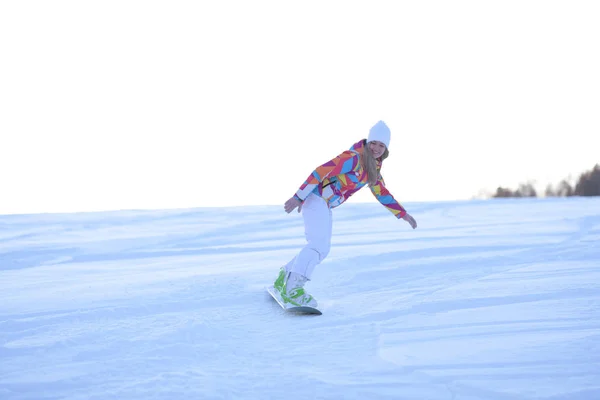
[[326, 188]]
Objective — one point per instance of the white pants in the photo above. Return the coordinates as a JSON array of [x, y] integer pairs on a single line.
[[317, 229]]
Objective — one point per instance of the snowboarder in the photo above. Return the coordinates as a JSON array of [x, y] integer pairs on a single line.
[[328, 186]]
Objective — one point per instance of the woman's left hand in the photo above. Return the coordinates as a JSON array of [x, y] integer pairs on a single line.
[[408, 218]]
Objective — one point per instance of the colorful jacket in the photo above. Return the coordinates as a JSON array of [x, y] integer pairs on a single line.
[[338, 179]]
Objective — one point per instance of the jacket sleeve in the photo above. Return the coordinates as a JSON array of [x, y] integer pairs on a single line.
[[385, 197], [342, 164]]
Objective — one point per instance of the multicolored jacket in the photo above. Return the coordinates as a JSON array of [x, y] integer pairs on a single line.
[[338, 179]]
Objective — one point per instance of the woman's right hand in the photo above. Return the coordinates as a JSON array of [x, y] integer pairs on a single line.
[[291, 204]]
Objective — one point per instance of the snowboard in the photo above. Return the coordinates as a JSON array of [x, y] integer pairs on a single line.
[[290, 307]]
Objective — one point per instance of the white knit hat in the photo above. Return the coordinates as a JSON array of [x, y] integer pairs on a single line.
[[381, 133]]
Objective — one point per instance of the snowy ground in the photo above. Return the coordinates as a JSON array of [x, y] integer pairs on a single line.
[[485, 300]]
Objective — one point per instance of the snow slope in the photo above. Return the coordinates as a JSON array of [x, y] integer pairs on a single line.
[[495, 299]]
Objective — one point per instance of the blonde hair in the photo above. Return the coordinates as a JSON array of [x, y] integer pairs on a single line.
[[369, 164]]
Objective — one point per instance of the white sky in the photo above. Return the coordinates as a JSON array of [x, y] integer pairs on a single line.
[[148, 104]]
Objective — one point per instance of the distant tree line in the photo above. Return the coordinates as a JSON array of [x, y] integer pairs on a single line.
[[588, 184]]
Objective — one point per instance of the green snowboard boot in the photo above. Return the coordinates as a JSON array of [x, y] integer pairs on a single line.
[[293, 291], [280, 281]]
